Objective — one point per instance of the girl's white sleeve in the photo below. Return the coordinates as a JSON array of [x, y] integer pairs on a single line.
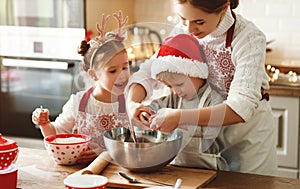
[[65, 122], [248, 55]]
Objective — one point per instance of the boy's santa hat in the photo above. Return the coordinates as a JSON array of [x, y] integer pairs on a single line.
[[180, 54]]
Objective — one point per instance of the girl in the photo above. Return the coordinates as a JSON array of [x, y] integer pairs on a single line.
[[101, 107], [235, 51]]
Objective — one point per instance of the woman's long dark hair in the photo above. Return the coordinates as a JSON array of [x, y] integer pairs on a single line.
[[210, 6]]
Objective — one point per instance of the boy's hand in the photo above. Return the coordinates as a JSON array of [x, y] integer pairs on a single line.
[[145, 117], [134, 110]]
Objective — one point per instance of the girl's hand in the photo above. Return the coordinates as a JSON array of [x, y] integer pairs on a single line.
[[40, 116], [165, 120], [89, 155], [135, 112]]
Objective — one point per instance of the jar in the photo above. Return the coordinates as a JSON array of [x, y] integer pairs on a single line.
[[8, 152]]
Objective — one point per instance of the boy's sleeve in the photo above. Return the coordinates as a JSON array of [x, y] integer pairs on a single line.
[[159, 103]]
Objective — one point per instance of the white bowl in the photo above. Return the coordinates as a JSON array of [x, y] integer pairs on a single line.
[[85, 181], [66, 148]]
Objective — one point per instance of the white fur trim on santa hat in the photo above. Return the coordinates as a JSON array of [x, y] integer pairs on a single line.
[[174, 64]]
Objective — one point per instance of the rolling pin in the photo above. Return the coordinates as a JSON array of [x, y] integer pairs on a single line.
[[96, 166]]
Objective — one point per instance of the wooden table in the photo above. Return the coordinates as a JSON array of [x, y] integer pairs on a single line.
[[235, 180], [37, 170]]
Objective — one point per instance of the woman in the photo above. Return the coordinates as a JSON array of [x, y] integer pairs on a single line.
[[235, 51]]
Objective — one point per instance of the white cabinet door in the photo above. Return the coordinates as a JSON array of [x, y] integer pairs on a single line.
[[286, 120]]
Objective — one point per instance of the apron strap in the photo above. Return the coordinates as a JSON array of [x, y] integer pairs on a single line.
[[264, 95], [229, 35], [204, 96], [122, 105], [86, 96], [84, 99]]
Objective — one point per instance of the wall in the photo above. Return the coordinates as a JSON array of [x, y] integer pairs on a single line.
[[278, 19], [95, 9], [154, 14]]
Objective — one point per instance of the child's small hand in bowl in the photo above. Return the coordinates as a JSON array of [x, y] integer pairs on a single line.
[[145, 118]]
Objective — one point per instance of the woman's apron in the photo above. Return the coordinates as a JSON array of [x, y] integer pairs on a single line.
[[96, 125], [220, 76], [247, 147], [199, 149]]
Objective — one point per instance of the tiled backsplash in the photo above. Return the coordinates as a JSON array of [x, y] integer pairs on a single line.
[[278, 19]]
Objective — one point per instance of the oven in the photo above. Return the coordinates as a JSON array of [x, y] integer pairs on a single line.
[[38, 59], [27, 84]]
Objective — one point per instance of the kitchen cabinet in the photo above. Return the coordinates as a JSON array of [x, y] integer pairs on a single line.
[[286, 120]]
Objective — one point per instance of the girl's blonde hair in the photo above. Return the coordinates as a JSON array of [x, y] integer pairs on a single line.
[[97, 57]]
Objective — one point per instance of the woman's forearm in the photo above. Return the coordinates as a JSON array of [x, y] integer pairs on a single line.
[[136, 93], [216, 115]]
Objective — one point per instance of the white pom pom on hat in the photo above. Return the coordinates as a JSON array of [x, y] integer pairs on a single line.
[[180, 54]]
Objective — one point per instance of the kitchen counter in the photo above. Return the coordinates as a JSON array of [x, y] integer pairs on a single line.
[[282, 80], [280, 90], [37, 170]]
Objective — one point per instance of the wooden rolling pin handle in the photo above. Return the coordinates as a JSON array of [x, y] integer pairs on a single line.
[[99, 164], [96, 166]]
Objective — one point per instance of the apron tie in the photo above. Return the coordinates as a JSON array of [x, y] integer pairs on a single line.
[[264, 95], [230, 32]]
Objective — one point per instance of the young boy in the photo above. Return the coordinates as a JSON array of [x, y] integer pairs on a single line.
[[180, 65]]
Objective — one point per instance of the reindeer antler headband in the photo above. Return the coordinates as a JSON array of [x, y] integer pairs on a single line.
[[103, 36], [108, 38]]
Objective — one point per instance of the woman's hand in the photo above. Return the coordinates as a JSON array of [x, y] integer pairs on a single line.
[[135, 112], [40, 117], [135, 96], [165, 120]]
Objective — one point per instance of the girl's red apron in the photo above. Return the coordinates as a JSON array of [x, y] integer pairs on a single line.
[[96, 125]]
